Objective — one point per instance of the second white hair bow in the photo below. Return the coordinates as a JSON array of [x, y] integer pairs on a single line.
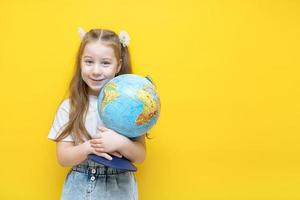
[[123, 36]]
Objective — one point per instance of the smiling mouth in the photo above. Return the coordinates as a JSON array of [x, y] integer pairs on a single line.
[[96, 80]]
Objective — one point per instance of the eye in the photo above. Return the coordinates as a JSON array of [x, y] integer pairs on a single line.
[[106, 63], [89, 62]]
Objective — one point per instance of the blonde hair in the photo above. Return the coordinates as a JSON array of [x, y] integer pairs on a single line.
[[79, 101]]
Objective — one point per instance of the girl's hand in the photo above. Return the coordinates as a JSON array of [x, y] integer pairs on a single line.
[[107, 140], [89, 149], [102, 154], [116, 154]]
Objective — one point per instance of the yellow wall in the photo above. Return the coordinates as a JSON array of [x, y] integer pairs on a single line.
[[228, 77]]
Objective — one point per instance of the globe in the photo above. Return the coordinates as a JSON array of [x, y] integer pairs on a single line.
[[129, 104]]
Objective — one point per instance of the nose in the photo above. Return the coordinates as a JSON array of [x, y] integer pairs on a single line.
[[97, 70]]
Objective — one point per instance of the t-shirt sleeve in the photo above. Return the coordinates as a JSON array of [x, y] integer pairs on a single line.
[[59, 122]]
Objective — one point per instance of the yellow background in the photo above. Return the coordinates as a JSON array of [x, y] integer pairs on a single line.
[[227, 73]]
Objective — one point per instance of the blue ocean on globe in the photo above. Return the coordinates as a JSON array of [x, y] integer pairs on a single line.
[[129, 104]]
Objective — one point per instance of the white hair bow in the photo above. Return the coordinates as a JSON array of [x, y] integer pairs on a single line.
[[81, 32], [124, 38]]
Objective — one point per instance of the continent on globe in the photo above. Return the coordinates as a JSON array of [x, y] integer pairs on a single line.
[[110, 93], [148, 111]]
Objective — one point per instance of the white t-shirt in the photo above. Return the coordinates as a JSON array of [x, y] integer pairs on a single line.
[[62, 117]]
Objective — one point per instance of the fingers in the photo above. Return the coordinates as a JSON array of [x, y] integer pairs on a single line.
[[98, 148], [96, 141], [102, 154], [116, 154], [97, 145], [105, 155]]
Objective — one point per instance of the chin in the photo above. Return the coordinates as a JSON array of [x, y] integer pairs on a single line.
[[94, 89]]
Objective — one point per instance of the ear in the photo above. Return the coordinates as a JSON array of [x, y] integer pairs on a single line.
[[119, 66]]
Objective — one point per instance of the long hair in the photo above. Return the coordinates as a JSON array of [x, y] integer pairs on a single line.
[[79, 101]]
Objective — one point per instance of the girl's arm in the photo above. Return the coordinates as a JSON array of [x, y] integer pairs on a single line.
[[134, 150], [69, 155]]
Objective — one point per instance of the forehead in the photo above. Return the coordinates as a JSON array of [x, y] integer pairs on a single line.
[[98, 50]]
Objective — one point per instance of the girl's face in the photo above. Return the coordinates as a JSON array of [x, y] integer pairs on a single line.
[[98, 65]]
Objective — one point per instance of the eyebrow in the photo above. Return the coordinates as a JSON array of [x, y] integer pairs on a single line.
[[102, 58], [87, 57]]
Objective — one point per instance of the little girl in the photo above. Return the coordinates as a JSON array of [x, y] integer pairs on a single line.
[[78, 131]]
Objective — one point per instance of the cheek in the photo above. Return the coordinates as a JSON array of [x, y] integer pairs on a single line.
[[110, 74], [84, 72], [85, 69]]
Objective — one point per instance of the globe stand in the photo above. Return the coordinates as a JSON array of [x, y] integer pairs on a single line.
[[116, 162]]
